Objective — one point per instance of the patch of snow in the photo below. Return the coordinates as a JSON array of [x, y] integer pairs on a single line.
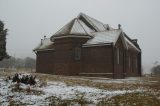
[[53, 88], [119, 81], [153, 81], [109, 81]]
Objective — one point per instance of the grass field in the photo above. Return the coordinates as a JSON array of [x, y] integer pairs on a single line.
[[80, 91]]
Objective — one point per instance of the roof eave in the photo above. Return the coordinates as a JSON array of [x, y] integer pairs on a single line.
[[43, 50], [71, 36], [99, 44]]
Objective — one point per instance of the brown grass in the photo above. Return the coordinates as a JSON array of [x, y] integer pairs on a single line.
[[143, 82], [131, 99], [150, 85]]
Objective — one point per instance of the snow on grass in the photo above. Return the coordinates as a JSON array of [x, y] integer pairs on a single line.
[[37, 95], [130, 80], [60, 89]]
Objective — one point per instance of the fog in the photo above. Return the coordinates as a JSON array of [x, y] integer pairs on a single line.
[[29, 20]]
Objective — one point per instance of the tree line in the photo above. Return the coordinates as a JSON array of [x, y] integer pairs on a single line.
[[13, 62], [155, 69]]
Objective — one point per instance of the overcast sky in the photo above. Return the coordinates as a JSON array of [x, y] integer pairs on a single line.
[[29, 20]]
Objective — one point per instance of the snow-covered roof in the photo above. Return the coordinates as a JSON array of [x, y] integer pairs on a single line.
[[45, 44], [130, 45], [84, 26], [99, 26], [104, 37], [109, 37], [74, 27]]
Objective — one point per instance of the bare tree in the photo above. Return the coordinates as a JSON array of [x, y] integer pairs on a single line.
[[156, 68], [28, 62]]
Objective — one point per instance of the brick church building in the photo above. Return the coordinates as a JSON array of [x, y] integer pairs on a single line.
[[87, 47]]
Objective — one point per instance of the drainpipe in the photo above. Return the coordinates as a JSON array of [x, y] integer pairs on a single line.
[[124, 63], [140, 63], [113, 60]]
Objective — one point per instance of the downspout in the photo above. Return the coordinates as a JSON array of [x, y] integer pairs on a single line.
[[113, 60], [124, 63], [140, 63]]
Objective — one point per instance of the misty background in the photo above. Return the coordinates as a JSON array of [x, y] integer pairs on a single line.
[[28, 21]]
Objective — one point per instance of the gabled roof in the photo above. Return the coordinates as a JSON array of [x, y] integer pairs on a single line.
[[45, 44], [82, 26], [97, 25], [110, 36], [87, 27], [130, 45], [75, 28]]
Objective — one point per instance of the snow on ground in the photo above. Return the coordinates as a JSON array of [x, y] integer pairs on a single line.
[[119, 81], [130, 80], [70, 92], [53, 88]]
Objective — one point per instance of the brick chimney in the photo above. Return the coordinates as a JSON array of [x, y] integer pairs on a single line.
[[119, 26]]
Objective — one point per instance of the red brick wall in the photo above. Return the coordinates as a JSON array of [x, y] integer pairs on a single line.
[[132, 63], [45, 62], [97, 59], [129, 63], [65, 62], [119, 56]]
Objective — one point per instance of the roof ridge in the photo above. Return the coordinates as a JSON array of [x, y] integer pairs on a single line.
[[72, 24], [82, 26], [130, 40], [89, 21], [108, 30]]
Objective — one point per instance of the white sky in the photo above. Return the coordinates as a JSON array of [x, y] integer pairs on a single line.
[[29, 20]]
